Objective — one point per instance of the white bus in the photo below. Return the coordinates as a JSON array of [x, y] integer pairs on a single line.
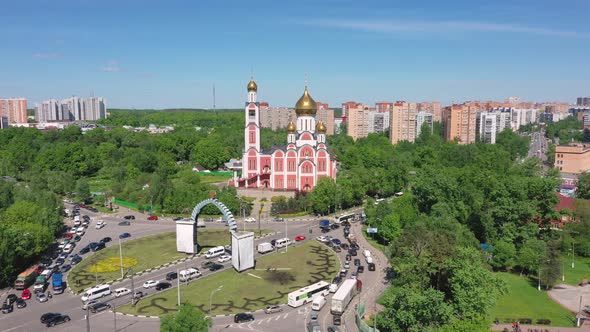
[[308, 294], [96, 292], [345, 217]]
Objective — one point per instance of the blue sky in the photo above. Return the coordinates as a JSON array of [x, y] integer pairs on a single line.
[[164, 54]]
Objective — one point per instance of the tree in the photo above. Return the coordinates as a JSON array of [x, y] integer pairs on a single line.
[[503, 255], [583, 186], [323, 196], [83, 190], [187, 319]]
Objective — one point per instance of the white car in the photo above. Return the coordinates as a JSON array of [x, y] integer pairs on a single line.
[[347, 265], [322, 239], [224, 258], [100, 224], [149, 284], [121, 291], [250, 219]]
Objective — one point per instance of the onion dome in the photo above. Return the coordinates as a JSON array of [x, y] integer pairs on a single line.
[[252, 86], [320, 127], [306, 105], [291, 127]]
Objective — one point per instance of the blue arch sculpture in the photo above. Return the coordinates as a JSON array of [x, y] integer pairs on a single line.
[[229, 217]]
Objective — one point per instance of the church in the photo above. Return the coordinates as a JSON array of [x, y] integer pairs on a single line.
[[299, 164]]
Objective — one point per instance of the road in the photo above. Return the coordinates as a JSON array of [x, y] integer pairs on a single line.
[[291, 319], [538, 146]]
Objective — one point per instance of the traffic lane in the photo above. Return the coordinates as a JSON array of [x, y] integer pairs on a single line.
[[292, 320]]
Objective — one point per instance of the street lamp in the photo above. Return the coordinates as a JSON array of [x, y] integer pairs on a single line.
[[211, 297], [121, 256], [573, 254]]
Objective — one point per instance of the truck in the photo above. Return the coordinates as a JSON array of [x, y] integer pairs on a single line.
[[342, 297], [40, 283], [264, 247], [351, 238], [26, 278], [57, 283], [325, 223]]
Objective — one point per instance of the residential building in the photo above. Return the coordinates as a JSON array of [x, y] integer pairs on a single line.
[[3, 122], [383, 106], [14, 109], [276, 118], [431, 107], [518, 116], [378, 122], [583, 101], [297, 166], [547, 117], [573, 158], [94, 108], [422, 118], [348, 105], [47, 111], [586, 120], [357, 122], [71, 109], [460, 122], [489, 124], [325, 116], [402, 122]]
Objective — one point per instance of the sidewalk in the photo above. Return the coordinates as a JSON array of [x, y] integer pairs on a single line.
[[540, 328]]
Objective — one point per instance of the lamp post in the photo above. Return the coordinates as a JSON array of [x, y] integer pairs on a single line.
[[178, 285], [539, 276], [375, 322], [121, 256], [573, 254], [211, 296]]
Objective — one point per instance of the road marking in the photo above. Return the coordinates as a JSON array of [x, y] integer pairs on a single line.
[[14, 328], [287, 314], [255, 276], [277, 318], [260, 322]]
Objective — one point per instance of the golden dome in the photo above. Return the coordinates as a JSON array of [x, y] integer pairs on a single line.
[[320, 127], [291, 127], [306, 105], [252, 86]]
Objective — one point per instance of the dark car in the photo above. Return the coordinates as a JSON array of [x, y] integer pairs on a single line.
[[325, 230], [85, 217], [130, 217], [371, 266], [91, 245], [55, 269], [99, 246], [59, 319], [355, 246], [344, 246], [76, 260], [77, 238], [11, 298], [59, 261], [171, 275], [84, 250], [243, 317], [106, 239], [7, 308], [333, 329], [352, 252], [336, 241], [98, 307], [20, 303], [54, 254], [273, 242], [348, 257], [336, 320], [360, 269], [48, 316], [66, 268], [357, 262], [124, 236], [215, 267], [179, 218], [124, 223], [163, 285], [206, 264], [46, 262], [336, 248], [337, 280], [334, 226]]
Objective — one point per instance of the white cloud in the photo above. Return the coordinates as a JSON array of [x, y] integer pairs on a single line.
[[391, 27], [47, 55], [111, 66]]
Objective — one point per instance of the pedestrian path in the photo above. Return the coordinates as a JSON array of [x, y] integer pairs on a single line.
[[540, 328]]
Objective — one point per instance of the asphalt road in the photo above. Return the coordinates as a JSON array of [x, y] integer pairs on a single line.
[[538, 146]]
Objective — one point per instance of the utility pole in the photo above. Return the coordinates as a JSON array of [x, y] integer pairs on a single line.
[[115, 319], [573, 254], [87, 318], [178, 286], [121, 257]]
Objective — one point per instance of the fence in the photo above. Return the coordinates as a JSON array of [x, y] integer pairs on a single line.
[[217, 173], [125, 204], [360, 323]]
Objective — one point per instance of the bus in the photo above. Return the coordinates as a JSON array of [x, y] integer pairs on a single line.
[[346, 217], [308, 294], [96, 292], [26, 278]]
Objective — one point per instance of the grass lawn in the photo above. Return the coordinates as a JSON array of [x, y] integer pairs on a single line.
[[251, 290], [580, 271], [214, 178], [147, 251], [523, 300], [98, 184]]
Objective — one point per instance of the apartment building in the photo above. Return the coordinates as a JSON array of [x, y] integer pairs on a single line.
[[14, 109], [572, 158], [3, 122], [71, 109], [489, 124], [276, 118], [383, 106], [349, 105], [422, 118], [358, 122], [326, 116], [402, 122], [460, 122], [378, 122], [431, 107]]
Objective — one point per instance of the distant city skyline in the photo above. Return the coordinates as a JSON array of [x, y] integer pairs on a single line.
[[152, 54]]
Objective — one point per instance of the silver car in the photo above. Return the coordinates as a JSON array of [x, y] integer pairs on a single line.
[[272, 309], [41, 297]]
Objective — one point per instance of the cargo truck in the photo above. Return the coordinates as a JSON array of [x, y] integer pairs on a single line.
[[57, 283], [264, 247], [41, 282], [342, 297], [26, 278]]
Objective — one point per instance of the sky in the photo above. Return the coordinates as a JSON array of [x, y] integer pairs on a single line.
[[170, 54]]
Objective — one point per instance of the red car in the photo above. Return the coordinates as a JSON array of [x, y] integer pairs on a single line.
[[300, 238], [26, 295], [69, 236], [153, 218]]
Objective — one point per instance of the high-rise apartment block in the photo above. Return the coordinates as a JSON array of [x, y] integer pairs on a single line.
[[348, 105], [583, 101], [421, 119], [358, 122], [378, 122], [431, 107], [3, 122], [383, 106], [402, 122], [71, 109], [460, 122], [519, 116], [276, 118], [325, 116], [489, 124], [14, 109]]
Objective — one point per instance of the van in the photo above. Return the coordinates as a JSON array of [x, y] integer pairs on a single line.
[[282, 242], [369, 260], [333, 288], [214, 252], [366, 253], [318, 303], [121, 291], [188, 274]]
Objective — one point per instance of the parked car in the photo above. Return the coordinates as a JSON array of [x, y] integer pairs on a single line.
[[48, 316], [86, 305], [100, 224], [271, 309], [150, 284], [63, 255], [224, 258], [77, 238], [278, 219], [41, 297], [352, 252], [153, 217], [59, 261], [243, 317], [65, 268], [98, 307], [337, 280], [76, 260], [336, 248], [371, 266], [163, 285], [250, 219], [99, 246], [343, 273], [273, 242], [215, 267], [206, 264], [129, 217], [26, 294], [106, 239], [357, 262], [333, 329], [124, 236], [125, 223], [299, 238], [344, 246], [336, 241], [334, 226], [360, 269], [171, 276], [59, 319], [322, 239], [84, 250], [7, 308], [20, 303], [11, 298], [347, 265]]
